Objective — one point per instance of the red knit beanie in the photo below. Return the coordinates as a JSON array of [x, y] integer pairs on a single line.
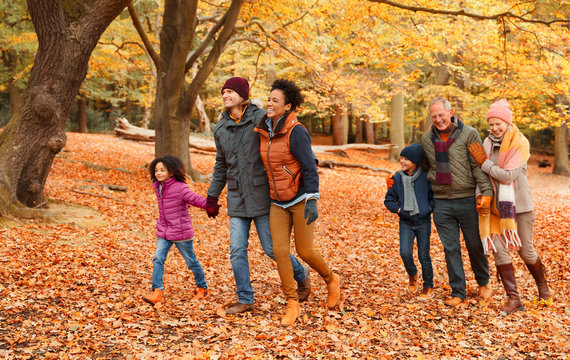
[[239, 85], [501, 110]]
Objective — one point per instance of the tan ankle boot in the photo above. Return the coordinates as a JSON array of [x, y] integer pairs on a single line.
[[333, 288], [155, 298], [292, 313]]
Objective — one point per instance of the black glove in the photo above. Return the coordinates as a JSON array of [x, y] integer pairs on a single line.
[[212, 207], [311, 212]]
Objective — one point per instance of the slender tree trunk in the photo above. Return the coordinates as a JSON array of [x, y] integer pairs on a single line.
[[397, 125], [82, 114], [67, 36], [338, 126], [370, 133], [561, 150], [204, 120], [10, 61], [359, 131]]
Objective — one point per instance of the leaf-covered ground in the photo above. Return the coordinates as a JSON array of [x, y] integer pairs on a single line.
[[72, 288]]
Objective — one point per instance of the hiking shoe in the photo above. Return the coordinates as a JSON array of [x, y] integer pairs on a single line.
[[238, 308], [413, 286], [453, 301], [426, 293]]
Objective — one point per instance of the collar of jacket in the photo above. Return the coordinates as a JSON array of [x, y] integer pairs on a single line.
[[164, 183], [245, 118], [282, 126]]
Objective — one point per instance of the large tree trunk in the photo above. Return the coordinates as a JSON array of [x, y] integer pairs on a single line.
[[174, 102], [67, 36], [397, 125], [561, 150]]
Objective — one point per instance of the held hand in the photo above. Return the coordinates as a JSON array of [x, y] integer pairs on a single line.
[[478, 153], [389, 181], [212, 207], [484, 205], [311, 212]]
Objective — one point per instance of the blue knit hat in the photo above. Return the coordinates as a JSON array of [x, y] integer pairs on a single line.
[[414, 153]]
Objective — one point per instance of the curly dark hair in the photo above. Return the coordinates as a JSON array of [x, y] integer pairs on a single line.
[[292, 93], [174, 166]]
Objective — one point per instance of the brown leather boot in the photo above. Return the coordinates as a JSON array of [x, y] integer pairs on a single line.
[[539, 274], [292, 313], [507, 274], [156, 297], [333, 288], [304, 287]]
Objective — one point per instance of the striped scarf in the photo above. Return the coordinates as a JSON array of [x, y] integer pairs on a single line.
[[501, 222], [442, 168]]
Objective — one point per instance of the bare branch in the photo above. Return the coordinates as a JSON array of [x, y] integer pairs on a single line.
[[158, 62], [200, 50], [506, 14]]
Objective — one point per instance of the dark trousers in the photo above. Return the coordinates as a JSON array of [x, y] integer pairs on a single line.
[[422, 233], [449, 216]]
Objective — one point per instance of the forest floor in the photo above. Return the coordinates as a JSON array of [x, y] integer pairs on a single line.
[[71, 288]]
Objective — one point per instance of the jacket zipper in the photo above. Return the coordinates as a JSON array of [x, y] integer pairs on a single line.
[[271, 171], [288, 171]]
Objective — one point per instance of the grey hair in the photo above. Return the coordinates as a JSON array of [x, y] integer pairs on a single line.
[[444, 101]]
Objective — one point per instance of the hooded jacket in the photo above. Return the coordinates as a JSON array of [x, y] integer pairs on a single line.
[[174, 222]]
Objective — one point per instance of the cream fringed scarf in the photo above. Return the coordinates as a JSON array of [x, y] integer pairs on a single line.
[[501, 221]]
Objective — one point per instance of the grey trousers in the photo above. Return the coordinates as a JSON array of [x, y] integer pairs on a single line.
[[525, 225]]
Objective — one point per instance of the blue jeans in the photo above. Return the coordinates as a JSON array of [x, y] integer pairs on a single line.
[[186, 249], [239, 237], [422, 233], [449, 216]]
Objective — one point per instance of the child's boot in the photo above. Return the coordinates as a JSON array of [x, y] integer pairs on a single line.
[[292, 313], [201, 294], [413, 286], [156, 297]]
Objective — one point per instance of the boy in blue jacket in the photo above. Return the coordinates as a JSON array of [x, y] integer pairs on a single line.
[[411, 198]]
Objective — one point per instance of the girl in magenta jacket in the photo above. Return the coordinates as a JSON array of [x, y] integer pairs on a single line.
[[174, 225]]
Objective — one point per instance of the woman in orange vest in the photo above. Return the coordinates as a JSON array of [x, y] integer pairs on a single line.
[[291, 167]]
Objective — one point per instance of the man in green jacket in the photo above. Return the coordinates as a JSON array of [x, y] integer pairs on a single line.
[[454, 176]]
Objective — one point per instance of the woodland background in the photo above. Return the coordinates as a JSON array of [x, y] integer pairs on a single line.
[[76, 256]]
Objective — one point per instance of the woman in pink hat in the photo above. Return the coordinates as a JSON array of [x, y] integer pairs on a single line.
[[504, 157]]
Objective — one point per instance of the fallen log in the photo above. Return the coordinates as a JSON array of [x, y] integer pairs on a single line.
[[331, 164], [126, 130]]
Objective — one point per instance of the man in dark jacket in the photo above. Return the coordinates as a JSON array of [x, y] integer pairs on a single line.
[[454, 176], [239, 165]]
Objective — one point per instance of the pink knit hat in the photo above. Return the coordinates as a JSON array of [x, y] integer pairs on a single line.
[[501, 110]]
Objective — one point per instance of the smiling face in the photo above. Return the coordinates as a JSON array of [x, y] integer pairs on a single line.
[[276, 106], [231, 99], [161, 172], [440, 117], [497, 127], [407, 165]]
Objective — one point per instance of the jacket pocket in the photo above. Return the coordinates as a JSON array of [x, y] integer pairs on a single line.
[[232, 184], [260, 180]]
